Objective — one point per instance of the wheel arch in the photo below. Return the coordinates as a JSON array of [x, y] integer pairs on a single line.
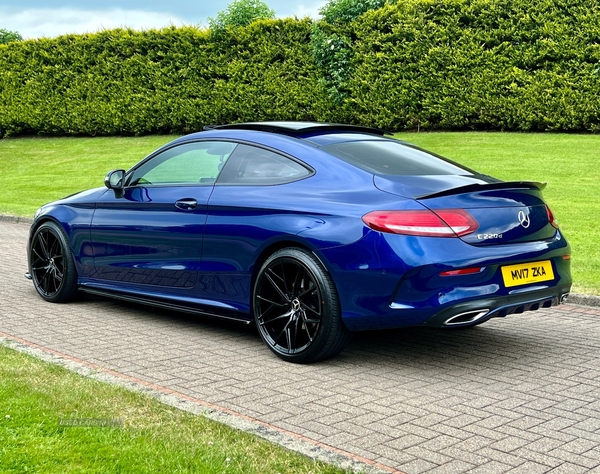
[[43, 219], [36, 225], [273, 247], [61, 215]]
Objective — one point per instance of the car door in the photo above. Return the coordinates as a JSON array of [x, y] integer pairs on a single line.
[[151, 233], [252, 203]]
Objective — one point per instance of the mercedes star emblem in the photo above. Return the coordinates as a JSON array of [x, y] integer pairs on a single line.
[[523, 219]]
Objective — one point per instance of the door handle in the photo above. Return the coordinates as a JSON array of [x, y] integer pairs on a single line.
[[186, 204]]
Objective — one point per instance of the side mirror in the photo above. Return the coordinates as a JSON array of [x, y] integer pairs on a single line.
[[115, 180]]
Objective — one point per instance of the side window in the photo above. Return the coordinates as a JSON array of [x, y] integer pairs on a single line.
[[191, 163], [256, 166]]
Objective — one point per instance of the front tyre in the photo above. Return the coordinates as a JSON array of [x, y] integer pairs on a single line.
[[297, 309], [51, 264]]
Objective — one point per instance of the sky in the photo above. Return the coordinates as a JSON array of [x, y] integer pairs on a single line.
[[50, 18]]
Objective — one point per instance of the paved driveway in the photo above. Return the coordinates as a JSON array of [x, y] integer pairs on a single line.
[[520, 394]]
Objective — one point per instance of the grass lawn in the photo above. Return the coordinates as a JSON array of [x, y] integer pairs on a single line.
[[154, 438], [34, 171]]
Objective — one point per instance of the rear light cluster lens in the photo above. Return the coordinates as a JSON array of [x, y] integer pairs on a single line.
[[441, 223], [551, 218], [462, 271]]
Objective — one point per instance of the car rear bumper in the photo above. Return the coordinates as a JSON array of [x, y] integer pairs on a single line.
[[478, 311], [394, 281]]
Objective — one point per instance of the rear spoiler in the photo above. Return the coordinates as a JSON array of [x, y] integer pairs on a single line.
[[469, 188]]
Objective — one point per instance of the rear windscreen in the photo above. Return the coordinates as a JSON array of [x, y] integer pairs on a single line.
[[394, 158]]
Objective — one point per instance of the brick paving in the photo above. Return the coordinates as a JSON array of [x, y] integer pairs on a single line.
[[518, 395]]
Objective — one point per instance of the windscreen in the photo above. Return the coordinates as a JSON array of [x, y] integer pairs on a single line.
[[394, 158]]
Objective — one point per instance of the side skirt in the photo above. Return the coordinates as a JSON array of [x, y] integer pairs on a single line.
[[162, 304]]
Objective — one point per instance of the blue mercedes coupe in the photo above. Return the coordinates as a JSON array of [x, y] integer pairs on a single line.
[[309, 230]]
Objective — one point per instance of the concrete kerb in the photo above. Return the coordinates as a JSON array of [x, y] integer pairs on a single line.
[[19, 220], [584, 300], [292, 441]]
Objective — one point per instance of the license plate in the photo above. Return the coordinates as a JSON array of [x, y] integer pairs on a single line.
[[525, 273]]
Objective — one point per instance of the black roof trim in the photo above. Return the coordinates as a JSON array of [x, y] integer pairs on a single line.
[[297, 129]]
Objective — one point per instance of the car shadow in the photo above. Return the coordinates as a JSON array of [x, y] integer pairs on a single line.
[[492, 344], [495, 342], [174, 317]]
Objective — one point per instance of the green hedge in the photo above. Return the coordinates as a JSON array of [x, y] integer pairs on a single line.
[[456, 64], [169, 81], [507, 64]]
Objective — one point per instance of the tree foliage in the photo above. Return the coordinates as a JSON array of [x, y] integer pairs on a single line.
[[344, 11], [7, 36], [332, 42], [452, 64], [176, 80], [456, 64], [241, 13]]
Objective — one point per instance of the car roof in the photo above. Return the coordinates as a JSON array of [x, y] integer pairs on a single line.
[[298, 129]]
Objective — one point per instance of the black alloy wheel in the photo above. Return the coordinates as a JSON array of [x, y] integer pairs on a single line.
[[51, 264], [296, 308]]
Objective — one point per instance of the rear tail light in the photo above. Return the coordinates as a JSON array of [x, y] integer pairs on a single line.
[[441, 223], [551, 218], [462, 271]]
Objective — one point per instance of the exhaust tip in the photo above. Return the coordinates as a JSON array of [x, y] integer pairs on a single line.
[[564, 298], [465, 318]]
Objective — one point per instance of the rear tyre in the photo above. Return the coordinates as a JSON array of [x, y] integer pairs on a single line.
[[297, 309], [51, 264]]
